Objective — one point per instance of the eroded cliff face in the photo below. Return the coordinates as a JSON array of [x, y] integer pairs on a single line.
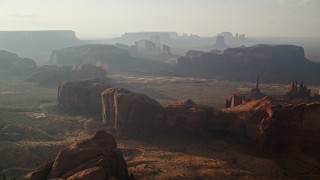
[[95, 158], [81, 97], [284, 129]]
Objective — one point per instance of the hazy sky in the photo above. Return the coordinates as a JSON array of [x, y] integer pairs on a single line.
[[98, 18]]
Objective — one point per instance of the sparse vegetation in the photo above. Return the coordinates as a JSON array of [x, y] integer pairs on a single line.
[[32, 131]]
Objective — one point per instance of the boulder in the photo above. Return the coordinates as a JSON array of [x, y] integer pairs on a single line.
[[81, 96], [126, 110], [95, 158]]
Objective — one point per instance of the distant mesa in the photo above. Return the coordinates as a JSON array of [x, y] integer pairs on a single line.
[[37, 43], [12, 64], [91, 54], [52, 75], [148, 49], [277, 63]]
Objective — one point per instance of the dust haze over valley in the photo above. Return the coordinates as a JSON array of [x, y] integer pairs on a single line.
[[160, 90]]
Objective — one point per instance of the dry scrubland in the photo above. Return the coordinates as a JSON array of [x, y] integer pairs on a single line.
[[32, 131]]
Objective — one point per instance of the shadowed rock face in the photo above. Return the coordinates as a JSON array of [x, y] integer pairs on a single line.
[[124, 109], [14, 65], [188, 116], [281, 128], [93, 158], [81, 96]]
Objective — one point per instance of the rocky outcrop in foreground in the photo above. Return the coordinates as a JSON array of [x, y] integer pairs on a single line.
[[81, 96], [281, 128], [95, 158]]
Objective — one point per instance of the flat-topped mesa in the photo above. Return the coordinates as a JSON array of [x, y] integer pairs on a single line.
[[36, 43], [278, 63], [286, 53]]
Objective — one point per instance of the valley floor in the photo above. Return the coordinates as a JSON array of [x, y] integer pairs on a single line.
[[32, 131]]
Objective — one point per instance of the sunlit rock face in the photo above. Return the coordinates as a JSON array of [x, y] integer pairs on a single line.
[[284, 129], [81, 97], [90, 54], [95, 158]]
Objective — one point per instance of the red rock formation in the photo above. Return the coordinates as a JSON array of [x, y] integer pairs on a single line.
[[81, 96], [281, 128], [122, 108], [93, 158], [187, 116]]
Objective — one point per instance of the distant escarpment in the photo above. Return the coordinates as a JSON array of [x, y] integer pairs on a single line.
[[11, 64], [94, 53], [277, 63], [37, 43]]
